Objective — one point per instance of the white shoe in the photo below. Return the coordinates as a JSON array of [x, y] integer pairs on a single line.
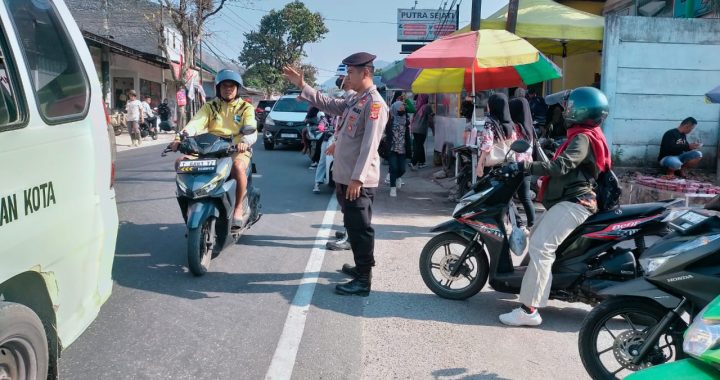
[[518, 317], [399, 183], [316, 188], [421, 166], [393, 192]]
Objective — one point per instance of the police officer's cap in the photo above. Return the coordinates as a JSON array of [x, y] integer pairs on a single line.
[[361, 59]]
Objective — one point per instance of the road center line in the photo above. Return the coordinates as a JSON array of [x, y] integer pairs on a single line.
[[283, 362]]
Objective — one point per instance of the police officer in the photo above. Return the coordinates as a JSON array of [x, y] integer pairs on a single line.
[[356, 168], [342, 243]]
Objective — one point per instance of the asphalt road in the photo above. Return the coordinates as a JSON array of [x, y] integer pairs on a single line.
[[162, 323]]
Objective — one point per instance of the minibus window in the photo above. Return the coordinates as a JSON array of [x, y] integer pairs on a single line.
[[60, 83]]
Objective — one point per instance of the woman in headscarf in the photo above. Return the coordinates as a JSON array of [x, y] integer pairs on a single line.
[[398, 136], [567, 192], [520, 114], [420, 124], [499, 129]]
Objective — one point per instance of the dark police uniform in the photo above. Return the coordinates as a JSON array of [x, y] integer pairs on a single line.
[[356, 158]]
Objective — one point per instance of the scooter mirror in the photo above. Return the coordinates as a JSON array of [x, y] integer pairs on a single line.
[[248, 129], [520, 146]]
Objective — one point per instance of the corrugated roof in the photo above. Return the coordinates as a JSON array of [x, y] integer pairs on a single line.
[[123, 22]]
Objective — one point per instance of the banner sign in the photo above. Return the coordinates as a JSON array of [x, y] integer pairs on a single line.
[[425, 25]]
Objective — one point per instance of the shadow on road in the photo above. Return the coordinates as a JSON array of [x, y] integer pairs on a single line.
[[141, 263], [460, 374]]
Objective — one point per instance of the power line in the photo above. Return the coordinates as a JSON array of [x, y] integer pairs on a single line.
[[325, 18]]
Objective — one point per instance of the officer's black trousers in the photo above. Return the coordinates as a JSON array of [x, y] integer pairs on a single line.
[[357, 216]]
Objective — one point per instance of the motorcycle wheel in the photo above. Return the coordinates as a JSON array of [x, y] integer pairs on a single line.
[[118, 131], [436, 273], [617, 327], [154, 136], [200, 247]]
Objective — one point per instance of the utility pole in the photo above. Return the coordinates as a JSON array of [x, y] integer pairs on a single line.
[[512, 15], [475, 16]]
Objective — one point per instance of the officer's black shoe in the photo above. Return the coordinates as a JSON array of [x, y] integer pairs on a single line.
[[340, 235], [350, 270], [360, 286], [340, 245]]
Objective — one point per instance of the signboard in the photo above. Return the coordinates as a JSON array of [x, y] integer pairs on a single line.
[[424, 25]]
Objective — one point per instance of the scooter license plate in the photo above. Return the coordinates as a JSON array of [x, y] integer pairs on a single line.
[[197, 166]]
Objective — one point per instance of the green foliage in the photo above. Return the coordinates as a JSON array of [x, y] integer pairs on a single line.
[[280, 41]]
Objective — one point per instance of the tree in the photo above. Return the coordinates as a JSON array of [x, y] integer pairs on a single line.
[[280, 41], [188, 17]]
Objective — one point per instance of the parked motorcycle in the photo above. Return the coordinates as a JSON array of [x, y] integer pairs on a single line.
[[206, 195], [118, 122], [642, 322], [455, 265], [702, 342], [465, 162], [149, 128]]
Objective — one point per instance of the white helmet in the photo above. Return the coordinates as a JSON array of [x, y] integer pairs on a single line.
[[321, 115], [341, 70]]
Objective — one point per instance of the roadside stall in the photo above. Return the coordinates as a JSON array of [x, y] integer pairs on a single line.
[[557, 30], [472, 61]]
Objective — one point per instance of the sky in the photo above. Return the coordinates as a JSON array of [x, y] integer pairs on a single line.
[[360, 25]]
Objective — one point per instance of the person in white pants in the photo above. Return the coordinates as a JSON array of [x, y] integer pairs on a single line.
[[567, 192]]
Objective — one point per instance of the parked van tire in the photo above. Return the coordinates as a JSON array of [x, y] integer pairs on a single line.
[[23, 344]]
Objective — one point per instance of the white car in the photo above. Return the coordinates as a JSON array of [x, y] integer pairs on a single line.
[[285, 122]]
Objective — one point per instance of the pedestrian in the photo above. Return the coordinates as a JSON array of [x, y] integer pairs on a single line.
[[422, 121], [538, 108], [312, 120], [676, 154], [134, 117], [497, 134], [567, 194], [524, 130], [356, 168], [397, 136], [342, 243]]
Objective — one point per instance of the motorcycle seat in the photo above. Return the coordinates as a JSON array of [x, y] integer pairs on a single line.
[[627, 212]]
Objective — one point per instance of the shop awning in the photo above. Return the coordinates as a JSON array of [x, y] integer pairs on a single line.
[[551, 27]]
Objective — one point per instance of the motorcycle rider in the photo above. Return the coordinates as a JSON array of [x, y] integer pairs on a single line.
[[148, 113], [567, 194], [226, 116]]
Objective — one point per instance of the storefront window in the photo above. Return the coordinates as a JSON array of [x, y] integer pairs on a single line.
[[151, 88]]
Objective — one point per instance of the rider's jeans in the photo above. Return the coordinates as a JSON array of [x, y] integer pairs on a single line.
[[321, 167], [549, 232]]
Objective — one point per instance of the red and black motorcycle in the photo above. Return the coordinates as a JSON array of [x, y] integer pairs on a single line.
[[474, 245]]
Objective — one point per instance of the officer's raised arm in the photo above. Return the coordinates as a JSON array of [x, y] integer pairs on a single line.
[[324, 103]]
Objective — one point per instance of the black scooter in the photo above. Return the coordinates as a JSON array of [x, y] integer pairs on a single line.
[[455, 265], [642, 322], [206, 195]]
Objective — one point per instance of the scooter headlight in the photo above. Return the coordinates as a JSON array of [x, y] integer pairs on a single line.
[[211, 185], [704, 332], [651, 264], [470, 199]]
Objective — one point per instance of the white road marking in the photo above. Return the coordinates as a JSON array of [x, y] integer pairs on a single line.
[[283, 362]]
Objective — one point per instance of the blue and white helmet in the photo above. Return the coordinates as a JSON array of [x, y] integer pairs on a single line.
[[227, 74]]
